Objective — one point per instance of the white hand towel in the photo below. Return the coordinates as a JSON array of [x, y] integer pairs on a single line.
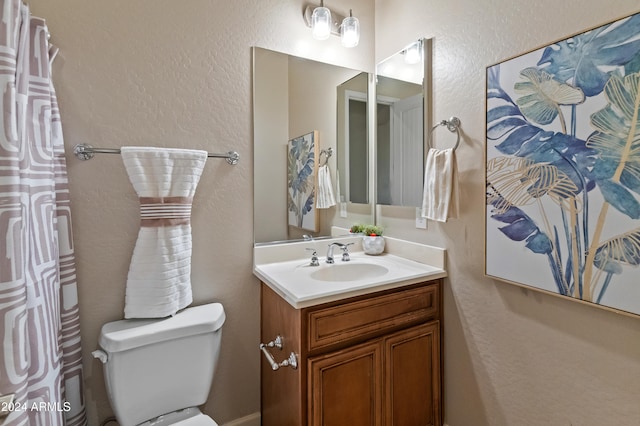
[[324, 197], [165, 179], [440, 199]]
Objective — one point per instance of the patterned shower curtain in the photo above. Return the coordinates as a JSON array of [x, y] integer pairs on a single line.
[[40, 355]]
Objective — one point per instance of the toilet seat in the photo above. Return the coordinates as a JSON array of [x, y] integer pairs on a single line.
[[187, 417], [199, 420]]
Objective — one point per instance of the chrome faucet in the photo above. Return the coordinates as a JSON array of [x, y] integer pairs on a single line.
[[345, 252]]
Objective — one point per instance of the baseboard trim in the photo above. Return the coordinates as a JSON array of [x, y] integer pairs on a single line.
[[250, 420]]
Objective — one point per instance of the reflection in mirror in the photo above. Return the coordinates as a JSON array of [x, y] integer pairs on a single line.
[[353, 150], [400, 127], [293, 97]]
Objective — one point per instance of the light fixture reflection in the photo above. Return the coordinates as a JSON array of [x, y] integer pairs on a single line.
[[413, 53], [321, 22], [350, 31]]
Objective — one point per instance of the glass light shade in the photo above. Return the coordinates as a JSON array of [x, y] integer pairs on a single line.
[[321, 23], [413, 55], [350, 32]]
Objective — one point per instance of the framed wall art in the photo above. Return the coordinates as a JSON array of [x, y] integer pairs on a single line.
[[563, 167], [302, 172]]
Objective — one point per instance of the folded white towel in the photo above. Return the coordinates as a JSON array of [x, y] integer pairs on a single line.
[[324, 195], [165, 179], [440, 199]]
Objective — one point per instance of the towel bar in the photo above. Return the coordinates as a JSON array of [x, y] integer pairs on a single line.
[[84, 151], [291, 361]]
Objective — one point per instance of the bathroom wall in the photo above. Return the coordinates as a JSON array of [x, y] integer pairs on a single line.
[[174, 74], [512, 356]]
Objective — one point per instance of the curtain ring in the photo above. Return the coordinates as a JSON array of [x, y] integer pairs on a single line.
[[453, 124]]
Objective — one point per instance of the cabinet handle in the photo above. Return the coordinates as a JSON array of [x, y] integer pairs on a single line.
[[292, 361]]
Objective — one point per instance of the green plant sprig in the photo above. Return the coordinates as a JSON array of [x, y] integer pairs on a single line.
[[368, 230]]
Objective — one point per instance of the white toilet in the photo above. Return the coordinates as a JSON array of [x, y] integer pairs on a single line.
[[158, 372]]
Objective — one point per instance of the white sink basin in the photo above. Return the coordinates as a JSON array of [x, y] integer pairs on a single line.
[[349, 272], [303, 285]]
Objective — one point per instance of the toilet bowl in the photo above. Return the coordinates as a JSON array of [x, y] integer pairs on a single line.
[[157, 372]]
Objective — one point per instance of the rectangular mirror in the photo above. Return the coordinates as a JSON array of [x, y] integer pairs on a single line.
[[400, 131], [294, 97]]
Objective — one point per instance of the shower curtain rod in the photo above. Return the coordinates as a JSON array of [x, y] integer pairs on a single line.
[[84, 151]]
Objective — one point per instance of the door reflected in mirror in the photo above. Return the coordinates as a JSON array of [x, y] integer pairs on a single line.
[[400, 113]]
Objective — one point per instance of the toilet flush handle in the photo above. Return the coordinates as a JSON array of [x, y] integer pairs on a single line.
[[101, 355]]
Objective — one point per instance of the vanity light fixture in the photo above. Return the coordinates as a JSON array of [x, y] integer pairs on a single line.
[[323, 22], [413, 53], [350, 31]]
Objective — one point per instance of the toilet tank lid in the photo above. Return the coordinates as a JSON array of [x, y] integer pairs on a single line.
[[122, 335]]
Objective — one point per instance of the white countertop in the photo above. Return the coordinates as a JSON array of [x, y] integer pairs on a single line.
[[294, 279]]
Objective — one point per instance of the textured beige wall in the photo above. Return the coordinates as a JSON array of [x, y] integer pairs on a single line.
[[512, 357], [176, 74]]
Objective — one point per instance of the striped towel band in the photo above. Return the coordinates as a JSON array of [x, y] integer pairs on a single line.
[[165, 211]]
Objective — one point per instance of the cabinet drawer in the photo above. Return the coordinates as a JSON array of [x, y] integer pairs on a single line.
[[372, 317]]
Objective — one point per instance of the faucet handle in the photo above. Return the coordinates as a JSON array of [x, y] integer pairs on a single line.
[[345, 252], [314, 257]]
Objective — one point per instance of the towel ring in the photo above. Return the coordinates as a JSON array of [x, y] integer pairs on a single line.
[[453, 124], [328, 153]]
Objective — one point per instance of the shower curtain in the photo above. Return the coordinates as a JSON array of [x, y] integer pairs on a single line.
[[40, 356]]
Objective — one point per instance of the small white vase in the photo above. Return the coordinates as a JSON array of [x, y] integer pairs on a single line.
[[373, 245]]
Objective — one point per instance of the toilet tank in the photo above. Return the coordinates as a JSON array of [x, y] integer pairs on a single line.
[[154, 367]]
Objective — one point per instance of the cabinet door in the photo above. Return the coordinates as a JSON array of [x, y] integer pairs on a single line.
[[345, 387], [412, 376]]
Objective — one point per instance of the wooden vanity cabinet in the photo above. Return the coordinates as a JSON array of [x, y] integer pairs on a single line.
[[367, 360]]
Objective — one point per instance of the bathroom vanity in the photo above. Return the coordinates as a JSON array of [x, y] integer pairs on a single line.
[[363, 356]]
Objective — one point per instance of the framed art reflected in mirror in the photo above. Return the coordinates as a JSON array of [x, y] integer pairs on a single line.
[[302, 172]]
